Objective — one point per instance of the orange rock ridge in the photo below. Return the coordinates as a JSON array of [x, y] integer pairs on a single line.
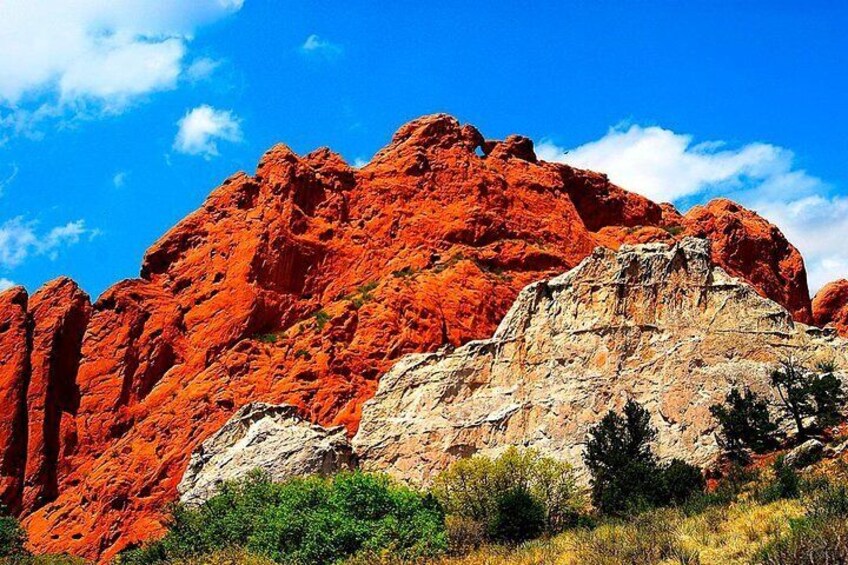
[[302, 284]]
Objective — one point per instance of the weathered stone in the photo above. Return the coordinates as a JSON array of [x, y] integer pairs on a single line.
[[805, 454], [273, 439], [656, 323]]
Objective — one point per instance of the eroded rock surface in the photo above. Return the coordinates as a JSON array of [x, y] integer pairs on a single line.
[[273, 439], [830, 306], [658, 323]]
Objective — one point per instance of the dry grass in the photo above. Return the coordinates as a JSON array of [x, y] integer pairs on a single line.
[[720, 535]]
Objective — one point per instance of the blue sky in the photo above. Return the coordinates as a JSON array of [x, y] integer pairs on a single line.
[[116, 119]]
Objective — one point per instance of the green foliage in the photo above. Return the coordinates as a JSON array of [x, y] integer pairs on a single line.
[[674, 230], [804, 393], [518, 517], [626, 477], [304, 521], [363, 294], [478, 489], [785, 484], [268, 338], [321, 319], [404, 273], [745, 423], [679, 481], [12, 536]]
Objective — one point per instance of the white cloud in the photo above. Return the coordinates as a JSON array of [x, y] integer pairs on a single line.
[[665, 166], [201, 69], [58, 54], [668, 166], [6, 283], [318, 46], [19, 240], [359, 162], [120, 179], [202, 127]]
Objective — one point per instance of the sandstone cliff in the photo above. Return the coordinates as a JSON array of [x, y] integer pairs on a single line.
[[657, 323], [301, 284]]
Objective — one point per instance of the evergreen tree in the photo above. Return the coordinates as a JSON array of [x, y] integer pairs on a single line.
[[745, 423]]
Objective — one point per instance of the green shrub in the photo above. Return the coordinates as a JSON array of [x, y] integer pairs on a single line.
[[518, 517], [321, 319], [12, 536], [475, 489], [626, 477], [785, 484], [680, 481], [304, 521], [464, 534], [745, 423], [830, 501]]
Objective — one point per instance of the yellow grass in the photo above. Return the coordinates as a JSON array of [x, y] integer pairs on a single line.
[[718, 536]]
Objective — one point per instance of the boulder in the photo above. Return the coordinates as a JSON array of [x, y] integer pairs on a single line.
[[805, 454], [268, 438]]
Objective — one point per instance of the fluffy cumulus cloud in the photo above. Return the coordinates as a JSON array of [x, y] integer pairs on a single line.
[[201, 128], [6, 283], [668, 166], [19, 239], [60, 54]]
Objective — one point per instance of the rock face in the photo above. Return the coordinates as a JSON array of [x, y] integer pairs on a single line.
[[300, 284], [267, 437], [830, 306], [751, 248], [657, 323]]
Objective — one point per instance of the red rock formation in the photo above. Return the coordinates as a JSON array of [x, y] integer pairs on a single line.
[[830, 306], [749, 247], [59, 314], [301, 284], [14, 376]]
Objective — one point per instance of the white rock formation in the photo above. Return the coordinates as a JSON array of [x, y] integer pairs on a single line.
[[267, 437], [660, 324]]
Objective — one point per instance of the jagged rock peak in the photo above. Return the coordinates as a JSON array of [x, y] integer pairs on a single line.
[[658, 323]]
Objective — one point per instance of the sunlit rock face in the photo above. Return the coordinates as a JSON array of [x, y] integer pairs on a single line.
[[660, 324]]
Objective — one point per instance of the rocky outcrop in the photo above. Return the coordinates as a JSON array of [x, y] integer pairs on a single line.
[[301, 284], [14, 377], [265, 437], [830, 306], [661, 324], [750, 248]]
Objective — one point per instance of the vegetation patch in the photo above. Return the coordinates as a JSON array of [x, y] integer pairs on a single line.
[[307, 521]]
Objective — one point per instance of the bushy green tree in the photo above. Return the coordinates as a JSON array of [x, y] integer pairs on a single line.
[[745, 423], [12, 536], [626, 476], [519, 516], [480, 488], [305, 521]]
